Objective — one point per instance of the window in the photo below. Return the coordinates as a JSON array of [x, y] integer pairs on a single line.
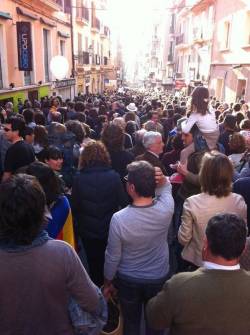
[[86, 44], [226, 37], [79, 42], [62, 47], [46, 51], [67, 6], [79, 8], [241, 89], [27, 78], [101, 54], [247, 29], [219, 88]]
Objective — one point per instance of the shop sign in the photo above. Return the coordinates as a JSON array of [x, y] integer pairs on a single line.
[[179, 84], [24, 46], [64, 83], [167, 81]]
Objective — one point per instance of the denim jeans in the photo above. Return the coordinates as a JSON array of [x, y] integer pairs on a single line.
[[133, 297]]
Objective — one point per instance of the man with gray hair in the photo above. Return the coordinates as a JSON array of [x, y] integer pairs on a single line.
[[152, 141]]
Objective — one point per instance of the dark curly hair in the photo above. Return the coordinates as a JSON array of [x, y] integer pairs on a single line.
[[113, 137], [94, 154], [22, 205]]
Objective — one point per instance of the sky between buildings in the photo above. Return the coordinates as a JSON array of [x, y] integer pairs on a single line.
[[131, 21]]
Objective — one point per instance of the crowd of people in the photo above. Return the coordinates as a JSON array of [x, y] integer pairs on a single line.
[[151, 192]]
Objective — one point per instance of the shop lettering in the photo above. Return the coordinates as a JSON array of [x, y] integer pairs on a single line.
[[24, 46], [25, 52]]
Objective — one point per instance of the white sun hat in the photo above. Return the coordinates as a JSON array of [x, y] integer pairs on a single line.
[[131, 107]]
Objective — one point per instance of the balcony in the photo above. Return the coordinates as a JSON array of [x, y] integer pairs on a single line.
[[181, 42], [97, 60], [79, 58], [82, 15], [85, 56], [170, 58], [54, 5], [105, 32], [95, 28], [197, 35], [201, 5], [179, 39], [105, 60], [171, 30]]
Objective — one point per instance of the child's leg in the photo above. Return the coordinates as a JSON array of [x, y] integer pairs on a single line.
[[186, 152]]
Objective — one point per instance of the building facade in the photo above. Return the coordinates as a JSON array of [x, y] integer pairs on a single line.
[[49, 35], [209, 44], [193, 29], [50, 26], [230, 67], [92, 46]]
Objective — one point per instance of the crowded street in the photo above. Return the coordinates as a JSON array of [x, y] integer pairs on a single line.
[[124, 167]]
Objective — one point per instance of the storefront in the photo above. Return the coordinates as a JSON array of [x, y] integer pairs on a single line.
[[80, 83], [32, 93], [64, 88]]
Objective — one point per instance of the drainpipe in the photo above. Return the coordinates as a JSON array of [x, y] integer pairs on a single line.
[[212, 45], [72, 43]]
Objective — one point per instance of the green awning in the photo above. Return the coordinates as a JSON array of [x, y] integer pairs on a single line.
[[5, 16]]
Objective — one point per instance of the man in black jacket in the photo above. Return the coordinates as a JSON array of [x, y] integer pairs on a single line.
[[152, 141]]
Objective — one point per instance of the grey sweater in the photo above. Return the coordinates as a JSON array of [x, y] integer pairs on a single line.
[[35, 287], [137, 243]]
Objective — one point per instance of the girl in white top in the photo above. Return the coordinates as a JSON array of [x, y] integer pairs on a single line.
[[204, 119]]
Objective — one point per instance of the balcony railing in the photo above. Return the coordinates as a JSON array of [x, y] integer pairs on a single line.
[[53, 4], [106, 31], [80, 58], [170, 58], [171, 30], [96, 24], [85, 56], [180, 39], [97, 60], [82, 14], [197, 34]]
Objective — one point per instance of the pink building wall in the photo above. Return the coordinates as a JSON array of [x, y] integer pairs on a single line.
[[37, 7], [230, 68]]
